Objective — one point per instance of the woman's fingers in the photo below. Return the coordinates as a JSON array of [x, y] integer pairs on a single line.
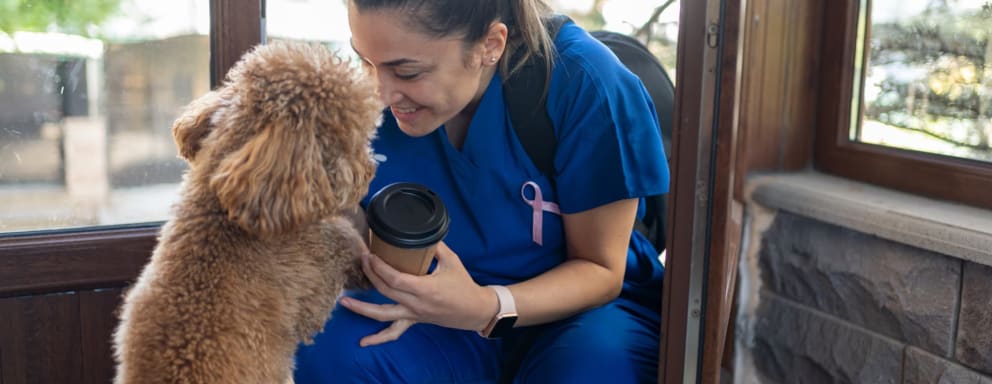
[[446, 257], [381, 312], [392, 332], [447, 297], [397, 314], [388, 280]]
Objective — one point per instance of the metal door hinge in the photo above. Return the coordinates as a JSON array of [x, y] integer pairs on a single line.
[[712, 35]]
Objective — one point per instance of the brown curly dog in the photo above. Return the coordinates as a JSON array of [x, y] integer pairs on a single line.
[[258, 248]]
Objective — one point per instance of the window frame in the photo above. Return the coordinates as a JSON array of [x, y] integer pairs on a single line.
[[58, 260], [942, 177]]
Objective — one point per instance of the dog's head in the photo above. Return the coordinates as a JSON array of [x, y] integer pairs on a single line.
[[286, 140]]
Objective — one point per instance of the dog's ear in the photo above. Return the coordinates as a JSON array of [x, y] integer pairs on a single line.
[[194, 124], [275, 182]]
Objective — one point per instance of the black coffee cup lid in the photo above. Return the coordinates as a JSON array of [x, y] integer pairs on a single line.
[[407, 215]]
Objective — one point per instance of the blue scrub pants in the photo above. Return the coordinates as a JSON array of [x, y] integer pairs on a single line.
[[615, 343]]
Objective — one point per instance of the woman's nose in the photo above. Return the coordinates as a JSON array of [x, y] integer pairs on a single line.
[[388, 93]]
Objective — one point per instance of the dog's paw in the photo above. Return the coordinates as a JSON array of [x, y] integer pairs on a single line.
[[354, 277]]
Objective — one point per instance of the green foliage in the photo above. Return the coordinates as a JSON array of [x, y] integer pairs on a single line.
[[932, 75], [67, 16]]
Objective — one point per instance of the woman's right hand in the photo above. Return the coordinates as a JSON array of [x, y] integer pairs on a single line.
[[447, 297]]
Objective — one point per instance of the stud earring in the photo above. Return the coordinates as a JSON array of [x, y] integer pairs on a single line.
[[492, 60]]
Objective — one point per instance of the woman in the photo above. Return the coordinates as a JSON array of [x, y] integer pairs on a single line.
[[584, 289]]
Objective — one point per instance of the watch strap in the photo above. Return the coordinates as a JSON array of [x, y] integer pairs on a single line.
[[507, 308]]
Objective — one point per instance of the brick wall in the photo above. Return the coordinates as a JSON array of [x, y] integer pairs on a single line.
[[840, 306]]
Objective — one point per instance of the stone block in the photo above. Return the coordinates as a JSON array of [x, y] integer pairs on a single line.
[[922, 367], [794, 344], [904, 292], [974, 342]]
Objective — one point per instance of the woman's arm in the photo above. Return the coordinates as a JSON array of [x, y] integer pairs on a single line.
[[597, 241], [593, 275]]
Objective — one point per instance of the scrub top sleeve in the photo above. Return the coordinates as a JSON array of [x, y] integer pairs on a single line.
[[609, 143]]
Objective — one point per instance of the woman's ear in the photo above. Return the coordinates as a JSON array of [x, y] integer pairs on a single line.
[[194, 124], [275, 182], [494, 43]]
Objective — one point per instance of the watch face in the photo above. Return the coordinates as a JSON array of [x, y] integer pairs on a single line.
[[503, 326]]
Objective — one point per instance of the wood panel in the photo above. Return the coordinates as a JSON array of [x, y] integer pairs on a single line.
[[98, 320], [40, 339], [682, 197], [727, 212], [47, 263], [235, 27], [805, 25], [62, 292], [696, 133], [780, 86]]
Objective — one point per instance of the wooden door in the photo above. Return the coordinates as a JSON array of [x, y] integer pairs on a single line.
[[705, 229]]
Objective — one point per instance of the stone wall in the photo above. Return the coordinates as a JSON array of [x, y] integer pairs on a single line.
[[833, 305]]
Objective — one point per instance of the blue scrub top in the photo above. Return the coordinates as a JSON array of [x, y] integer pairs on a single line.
[[609, 149]]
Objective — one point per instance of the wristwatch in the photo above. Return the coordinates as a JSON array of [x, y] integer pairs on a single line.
[[505, 318]]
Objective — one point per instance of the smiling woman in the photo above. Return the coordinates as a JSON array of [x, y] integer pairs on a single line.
[[88, 171]]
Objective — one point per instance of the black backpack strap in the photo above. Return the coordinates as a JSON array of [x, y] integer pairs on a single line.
[[525, 96]]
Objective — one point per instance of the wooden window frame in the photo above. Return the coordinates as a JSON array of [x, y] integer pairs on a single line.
[[941, 177], [60, 260]]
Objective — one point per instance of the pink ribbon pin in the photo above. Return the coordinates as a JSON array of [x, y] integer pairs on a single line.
[[539, 206]]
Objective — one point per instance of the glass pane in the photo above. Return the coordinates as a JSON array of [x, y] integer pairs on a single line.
[[928, 77], [323, 21], [88, 93]]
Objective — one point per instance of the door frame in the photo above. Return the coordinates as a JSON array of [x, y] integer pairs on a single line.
[[705, 219]]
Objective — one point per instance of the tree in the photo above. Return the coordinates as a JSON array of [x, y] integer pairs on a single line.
[[933, 74], [663, 47], [66, 16]]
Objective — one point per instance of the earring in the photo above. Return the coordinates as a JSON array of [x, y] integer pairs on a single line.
[[492, 60]]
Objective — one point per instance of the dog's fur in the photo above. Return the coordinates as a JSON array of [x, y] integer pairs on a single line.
[[257, 250]]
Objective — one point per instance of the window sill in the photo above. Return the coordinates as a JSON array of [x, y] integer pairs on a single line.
[[949, 228]]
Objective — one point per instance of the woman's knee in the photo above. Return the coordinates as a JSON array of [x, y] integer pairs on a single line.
[[609, 344], [424, 353], [333, 356]]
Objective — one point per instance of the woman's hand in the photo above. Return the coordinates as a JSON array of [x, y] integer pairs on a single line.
[[447, 297]]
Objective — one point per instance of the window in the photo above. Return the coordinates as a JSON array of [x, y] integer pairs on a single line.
[[87, 100], [906, 96], [88, 92], [927, 77], [59, 234]]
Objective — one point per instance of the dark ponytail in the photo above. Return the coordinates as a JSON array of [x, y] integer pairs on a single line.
[[527, 38]]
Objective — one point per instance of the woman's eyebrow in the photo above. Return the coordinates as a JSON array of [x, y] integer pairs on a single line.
[[391, 63]]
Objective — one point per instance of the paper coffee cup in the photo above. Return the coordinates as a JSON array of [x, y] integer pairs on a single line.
[[406, 221]]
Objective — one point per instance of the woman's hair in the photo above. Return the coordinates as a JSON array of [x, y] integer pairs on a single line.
[[526, 39]]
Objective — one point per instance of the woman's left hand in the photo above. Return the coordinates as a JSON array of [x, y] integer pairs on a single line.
[[447, 297]]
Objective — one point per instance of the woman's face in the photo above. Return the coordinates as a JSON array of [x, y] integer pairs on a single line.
[[425, 81]]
